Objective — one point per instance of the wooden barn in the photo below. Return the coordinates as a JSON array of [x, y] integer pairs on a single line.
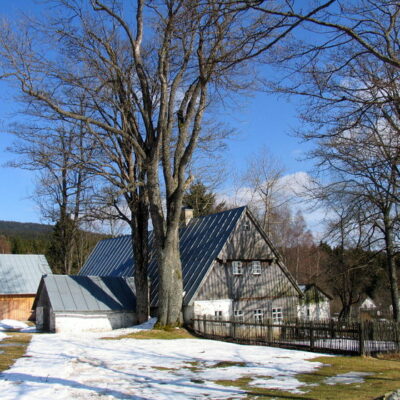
[[19, 280], [81, 303], [230, 269]]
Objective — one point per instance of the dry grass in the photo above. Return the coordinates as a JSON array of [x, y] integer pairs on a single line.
[[164, 334], [13, 347], [384, 378]]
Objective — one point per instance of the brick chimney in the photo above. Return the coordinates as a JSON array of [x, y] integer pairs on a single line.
[[186, 215]]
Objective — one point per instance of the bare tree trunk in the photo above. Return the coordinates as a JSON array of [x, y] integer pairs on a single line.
[[139, 228], [392, 272], [171, 284]]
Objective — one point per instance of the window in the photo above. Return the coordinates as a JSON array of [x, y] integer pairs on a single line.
[[258, 316], [256, 267], [218, 315], [238, 315], [237, 267], [246, 226], [277, 314]]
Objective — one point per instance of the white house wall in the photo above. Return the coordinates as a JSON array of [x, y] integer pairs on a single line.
[[209, 307], [92, 322], [316, 311]]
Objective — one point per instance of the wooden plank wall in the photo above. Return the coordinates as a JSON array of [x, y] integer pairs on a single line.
[[17, 307]]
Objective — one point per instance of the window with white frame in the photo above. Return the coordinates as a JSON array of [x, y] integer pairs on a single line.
[[256, 267], [258, 316], [237, 267], [218, 315], [238, 315], [277, 314]]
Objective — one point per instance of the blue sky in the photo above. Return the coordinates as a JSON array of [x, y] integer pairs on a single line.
[[261, 120]]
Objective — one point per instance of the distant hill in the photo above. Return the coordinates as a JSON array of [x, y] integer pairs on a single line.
[[27, 230]]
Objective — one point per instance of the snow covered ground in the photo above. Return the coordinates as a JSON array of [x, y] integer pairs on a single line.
[[6, 324], [71, 367]]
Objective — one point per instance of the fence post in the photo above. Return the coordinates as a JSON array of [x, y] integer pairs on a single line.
[[269, 331], [311, 336], [332, 328], [361, 338], [397, 335]]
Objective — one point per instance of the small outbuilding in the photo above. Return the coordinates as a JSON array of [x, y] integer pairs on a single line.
[[315, 304], [20, 275], [84, 303]]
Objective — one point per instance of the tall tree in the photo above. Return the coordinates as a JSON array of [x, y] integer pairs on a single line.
[[147, 71], [351, 111]]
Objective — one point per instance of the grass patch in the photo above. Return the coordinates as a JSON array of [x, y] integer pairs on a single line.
[[13, 347], [194, 366], [164, 334], [384, 378], [164, 369], [226, 364]]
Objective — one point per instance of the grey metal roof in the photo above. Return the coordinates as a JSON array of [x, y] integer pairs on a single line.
[[88, 293], [200, 243], [21, 273]]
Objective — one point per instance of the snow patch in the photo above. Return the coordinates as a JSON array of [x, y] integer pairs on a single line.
[[65, 366], [6, 324], [348, 378], [2, 336], [289, 384]]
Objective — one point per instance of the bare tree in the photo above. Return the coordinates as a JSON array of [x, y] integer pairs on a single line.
[[148, 71], [262, 176], [349, 75], [64, 186], [350, 261]]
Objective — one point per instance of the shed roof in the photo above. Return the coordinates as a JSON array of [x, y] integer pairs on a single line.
[[200, 243], [88, 293], [21, 273]]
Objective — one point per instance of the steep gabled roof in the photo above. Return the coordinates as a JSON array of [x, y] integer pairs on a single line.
[[21, 273], [88, 293], [200, 243]]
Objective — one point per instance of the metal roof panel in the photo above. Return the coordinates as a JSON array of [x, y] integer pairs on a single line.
[[90, 293], [21, 273], [201, 242]]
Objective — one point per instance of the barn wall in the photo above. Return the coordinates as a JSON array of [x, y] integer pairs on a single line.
[[221, 283], [92, 321], [17, 307], [246, 242]]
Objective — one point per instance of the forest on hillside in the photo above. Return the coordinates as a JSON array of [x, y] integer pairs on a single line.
[[34, 238]]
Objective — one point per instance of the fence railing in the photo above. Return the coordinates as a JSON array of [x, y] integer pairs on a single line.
[[350, 337]]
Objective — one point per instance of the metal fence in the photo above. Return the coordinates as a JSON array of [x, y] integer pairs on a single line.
[[350, 337]]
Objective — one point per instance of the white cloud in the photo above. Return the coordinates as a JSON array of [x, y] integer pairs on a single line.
[[293, 189]]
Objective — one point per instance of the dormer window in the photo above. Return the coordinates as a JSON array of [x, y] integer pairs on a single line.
[[237, 267], [256, 267]]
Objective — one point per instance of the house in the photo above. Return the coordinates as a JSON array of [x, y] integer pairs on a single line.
[[366, 309], [315, 304], [93, 303], [19, 280], [230, 269]]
